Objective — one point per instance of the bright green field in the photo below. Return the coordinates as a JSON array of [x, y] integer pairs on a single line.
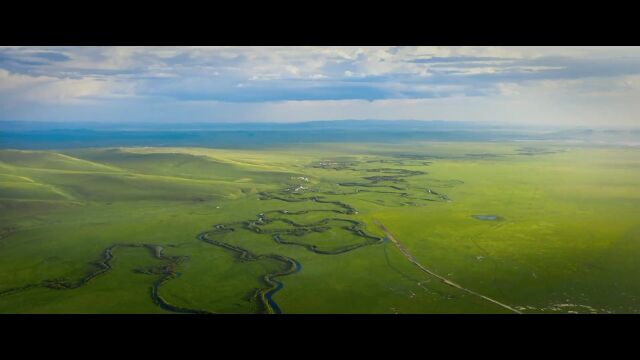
[[565, 238]]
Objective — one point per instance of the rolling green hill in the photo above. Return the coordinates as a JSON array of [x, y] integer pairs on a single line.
[[538, 227]]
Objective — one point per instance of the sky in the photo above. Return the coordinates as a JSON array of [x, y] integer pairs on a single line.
[[568, 86]]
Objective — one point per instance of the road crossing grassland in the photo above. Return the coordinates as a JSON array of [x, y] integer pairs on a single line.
[[413, 260]]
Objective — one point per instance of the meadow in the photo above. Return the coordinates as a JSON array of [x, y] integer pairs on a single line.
[[539, 226]]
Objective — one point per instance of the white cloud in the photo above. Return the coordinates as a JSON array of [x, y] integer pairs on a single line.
[[25, 90], [570, 85]]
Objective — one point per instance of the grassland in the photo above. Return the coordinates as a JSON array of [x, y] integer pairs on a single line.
[[539, 226]]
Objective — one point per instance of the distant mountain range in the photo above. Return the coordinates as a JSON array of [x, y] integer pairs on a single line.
[[45, 135], [353, 125]]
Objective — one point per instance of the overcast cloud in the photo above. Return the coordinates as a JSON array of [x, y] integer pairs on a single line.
[[529, 85]]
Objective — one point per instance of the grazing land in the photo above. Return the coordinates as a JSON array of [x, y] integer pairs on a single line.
[[501, 227]]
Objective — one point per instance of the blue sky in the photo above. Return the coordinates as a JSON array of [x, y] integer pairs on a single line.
[[590, 86]]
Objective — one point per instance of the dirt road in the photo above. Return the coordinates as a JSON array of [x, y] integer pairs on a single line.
[[413, 260]]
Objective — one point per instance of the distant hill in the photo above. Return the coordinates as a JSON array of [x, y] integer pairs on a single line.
[[59, 135], [354, 125]]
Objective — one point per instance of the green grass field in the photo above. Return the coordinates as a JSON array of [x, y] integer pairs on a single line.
[[296, 229]]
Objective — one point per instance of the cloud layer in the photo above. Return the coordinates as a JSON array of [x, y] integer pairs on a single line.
[[530, 85]]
